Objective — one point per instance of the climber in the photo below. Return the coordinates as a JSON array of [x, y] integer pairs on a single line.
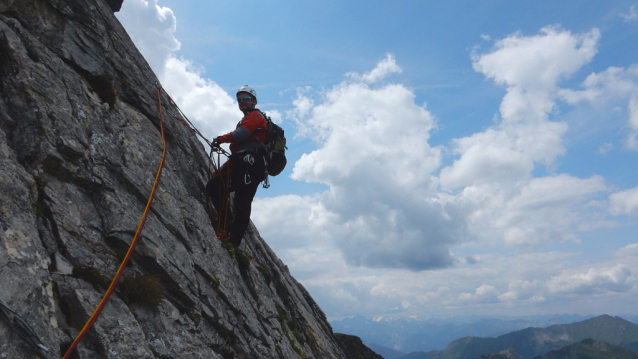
[[247, 164]]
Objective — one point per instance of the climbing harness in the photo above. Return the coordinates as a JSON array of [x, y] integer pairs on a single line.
[[24, 331], [116, 279]]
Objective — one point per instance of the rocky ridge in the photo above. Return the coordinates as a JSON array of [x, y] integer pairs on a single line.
[[79, 148]]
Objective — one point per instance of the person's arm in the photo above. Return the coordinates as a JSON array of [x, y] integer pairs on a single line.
[[246, 128]]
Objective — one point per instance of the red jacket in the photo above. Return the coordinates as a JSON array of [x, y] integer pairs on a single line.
[[242, 138]]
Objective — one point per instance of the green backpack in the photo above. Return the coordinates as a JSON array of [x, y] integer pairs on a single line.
[[276, 147]]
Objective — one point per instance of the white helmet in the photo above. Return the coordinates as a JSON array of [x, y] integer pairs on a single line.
[[248, 89]]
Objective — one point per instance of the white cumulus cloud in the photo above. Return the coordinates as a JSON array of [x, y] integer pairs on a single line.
[[615, 87], [545, 210], [594, 281], [483, 294], [624, 202], [519, 289], [374, 155], [205, 103], [530, 69], [152, 28], [384, 68], [493, 174], [531, 66]]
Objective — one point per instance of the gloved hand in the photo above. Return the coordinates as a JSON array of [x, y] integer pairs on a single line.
[[216, 142]]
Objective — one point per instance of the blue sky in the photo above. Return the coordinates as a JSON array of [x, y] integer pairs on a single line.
[[445, 158]]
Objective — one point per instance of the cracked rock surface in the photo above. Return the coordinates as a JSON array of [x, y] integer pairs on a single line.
[[79, 149]]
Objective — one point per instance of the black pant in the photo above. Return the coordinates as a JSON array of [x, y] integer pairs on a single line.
[[247, 171]]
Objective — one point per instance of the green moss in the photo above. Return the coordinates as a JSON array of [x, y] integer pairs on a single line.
[[299, 337], [229, 248], [281, 316], [295, 348], [215, 283], [266, 273], [243, 261], [292, 325], [244, 268], [40, 209], [143, 289]]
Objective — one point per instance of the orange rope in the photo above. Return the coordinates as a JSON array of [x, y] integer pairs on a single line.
[[223, 213], [116, 279]]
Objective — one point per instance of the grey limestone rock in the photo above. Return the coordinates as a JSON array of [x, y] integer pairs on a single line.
[[80, 146]]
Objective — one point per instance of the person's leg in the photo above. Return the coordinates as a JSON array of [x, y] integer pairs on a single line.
[[243, 207], [250, 172], [214, 190]]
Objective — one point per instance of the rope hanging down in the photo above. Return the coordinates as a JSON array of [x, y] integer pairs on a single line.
[[116, 279], [223, 213]]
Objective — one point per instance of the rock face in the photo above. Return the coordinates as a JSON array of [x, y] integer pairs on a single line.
[[79, 148], [354, 347]]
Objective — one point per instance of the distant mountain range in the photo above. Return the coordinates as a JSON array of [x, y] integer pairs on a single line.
[[406, 335], [590, 349], [586, 349], [597, 336], [504, 354]]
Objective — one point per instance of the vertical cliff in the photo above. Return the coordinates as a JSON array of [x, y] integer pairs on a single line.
[[79, 148]]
